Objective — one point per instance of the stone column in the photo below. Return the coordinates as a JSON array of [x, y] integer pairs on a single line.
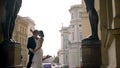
[[103, 26], [116, 26], [110, 30]]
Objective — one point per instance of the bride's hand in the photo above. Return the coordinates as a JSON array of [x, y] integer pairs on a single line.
[[35, 50]]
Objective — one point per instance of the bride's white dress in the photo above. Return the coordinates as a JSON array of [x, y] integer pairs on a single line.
[[37, 59]]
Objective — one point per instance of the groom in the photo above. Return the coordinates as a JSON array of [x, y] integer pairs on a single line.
[[31, 44]]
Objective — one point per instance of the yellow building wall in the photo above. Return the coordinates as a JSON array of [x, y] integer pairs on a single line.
[[20, 35]]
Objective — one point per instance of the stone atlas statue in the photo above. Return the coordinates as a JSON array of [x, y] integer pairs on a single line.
[[93, 18], [8, 13]]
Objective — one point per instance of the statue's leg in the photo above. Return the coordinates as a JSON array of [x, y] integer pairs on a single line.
[[11, 29], [93, 17], [13, 19], [9, 13], [89, 4], [5, 30], [2, 18]]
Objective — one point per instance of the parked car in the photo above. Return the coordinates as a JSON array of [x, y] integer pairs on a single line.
[[47, 65]]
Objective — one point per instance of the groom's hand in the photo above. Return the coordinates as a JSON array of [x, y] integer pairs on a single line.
[[31, 50]]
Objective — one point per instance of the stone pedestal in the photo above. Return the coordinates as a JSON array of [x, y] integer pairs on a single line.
[[91, 54], [11, 56]]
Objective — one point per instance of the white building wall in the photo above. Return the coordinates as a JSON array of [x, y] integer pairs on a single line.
[[74, 56], [61, 59], [64, 45], [74, 46], [60, 55], [71, 39]]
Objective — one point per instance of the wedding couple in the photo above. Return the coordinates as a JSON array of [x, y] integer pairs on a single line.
[[35, 51]]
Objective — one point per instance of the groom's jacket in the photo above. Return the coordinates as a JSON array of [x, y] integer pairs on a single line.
[[31, 43]]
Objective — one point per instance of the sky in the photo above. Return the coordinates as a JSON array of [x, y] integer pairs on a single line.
[[49, 16]]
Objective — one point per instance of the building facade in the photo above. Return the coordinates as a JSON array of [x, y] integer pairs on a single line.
[[109, 19], [31, 25], [20, 35], [60, 55], [110, 33], [71, 37], [63, 54]]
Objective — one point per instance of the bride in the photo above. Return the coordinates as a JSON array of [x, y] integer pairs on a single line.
[[38, 52]]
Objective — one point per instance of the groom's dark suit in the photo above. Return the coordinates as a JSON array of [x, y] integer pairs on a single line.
[[30, 44]]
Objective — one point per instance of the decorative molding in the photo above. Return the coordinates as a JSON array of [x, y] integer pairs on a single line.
[[110, 36]]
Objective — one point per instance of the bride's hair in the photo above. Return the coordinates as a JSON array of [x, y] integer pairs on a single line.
[[41, 33]]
